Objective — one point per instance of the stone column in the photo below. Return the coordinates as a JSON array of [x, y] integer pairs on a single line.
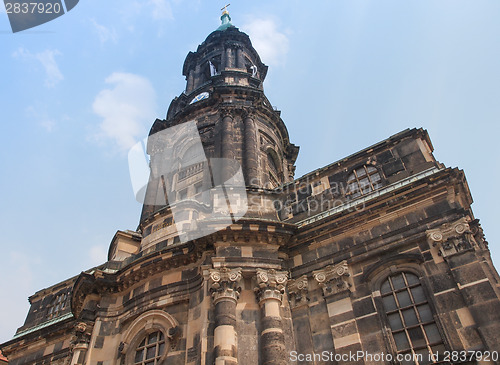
[[190, 82], [270, 288], [225, 288], [227, 120], [229, 58], [240, 59], [80, 343], [226, 145], [250, 151]]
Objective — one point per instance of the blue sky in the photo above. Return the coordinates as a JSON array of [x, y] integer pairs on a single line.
[[78, 91]]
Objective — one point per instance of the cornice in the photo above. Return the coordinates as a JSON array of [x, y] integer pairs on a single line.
[[100, 282]]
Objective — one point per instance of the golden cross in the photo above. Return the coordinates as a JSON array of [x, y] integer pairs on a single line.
[[225, 9]]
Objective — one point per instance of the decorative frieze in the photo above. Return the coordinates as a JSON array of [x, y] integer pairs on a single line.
[[451, 238], [270, 284], [225, 283], [298, 290], [333, 279]]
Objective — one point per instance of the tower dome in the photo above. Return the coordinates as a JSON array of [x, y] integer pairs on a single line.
[[236, 131]]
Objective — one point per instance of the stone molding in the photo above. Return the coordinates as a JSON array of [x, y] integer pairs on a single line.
[[270, 284], [104, 282], [148, 322], [451, 238], [225, 283], [333, 279]]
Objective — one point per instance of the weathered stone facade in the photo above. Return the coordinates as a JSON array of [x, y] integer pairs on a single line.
[[379, 252], [3, 359]]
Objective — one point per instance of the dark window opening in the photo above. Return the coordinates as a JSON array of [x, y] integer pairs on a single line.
[[362, 181], [410, 318], [151, 349]]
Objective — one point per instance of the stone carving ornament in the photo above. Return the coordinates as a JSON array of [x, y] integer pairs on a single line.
[[298, 290], [270, 284], [451, 238], [333, 279], [225, 283]]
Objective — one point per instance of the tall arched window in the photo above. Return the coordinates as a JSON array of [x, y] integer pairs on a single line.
[[273, 169], [362, 181], [410, 318], [150, 349]]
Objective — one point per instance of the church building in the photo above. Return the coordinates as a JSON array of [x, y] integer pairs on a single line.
[[374, 259]]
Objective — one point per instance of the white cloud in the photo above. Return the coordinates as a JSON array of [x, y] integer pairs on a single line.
[[127, 109], [267, 40], [157, 9], [47, 59], [105, 34], [54, 75], [48, 125], [160, 9], [38, 112]]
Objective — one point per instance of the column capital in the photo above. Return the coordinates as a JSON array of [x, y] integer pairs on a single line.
[[298, 290], [270, 284], [333, 279], [248, 113], [226, 112], [451, 238], [82, 333], [225, 283]]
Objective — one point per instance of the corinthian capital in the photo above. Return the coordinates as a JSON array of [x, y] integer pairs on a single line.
[[225, 283], [333, 279], [270, 284], [227, 112], [298, 290]]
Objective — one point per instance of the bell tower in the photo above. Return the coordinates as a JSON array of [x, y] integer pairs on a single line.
[[237, 131]]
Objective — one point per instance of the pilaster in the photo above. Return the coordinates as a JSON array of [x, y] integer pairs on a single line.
[[335, 283]]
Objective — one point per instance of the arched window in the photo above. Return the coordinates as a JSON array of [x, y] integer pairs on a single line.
[[148, 339], [415, 333], [272, 163], [273, 169], [362, 181], [150, 349]]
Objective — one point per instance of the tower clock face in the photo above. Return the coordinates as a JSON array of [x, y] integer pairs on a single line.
[[199, 97]]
